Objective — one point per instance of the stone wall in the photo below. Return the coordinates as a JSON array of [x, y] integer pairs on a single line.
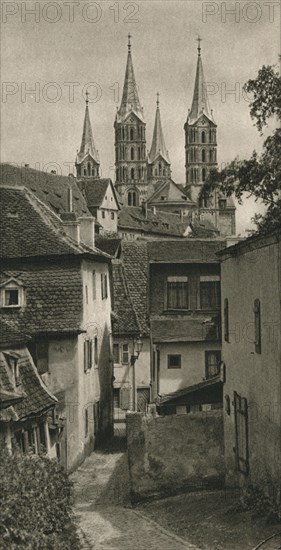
[[170, 454]]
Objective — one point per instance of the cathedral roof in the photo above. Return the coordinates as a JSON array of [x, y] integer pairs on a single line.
[[200, 103], [87, 143], [158, 147], [130, 99]]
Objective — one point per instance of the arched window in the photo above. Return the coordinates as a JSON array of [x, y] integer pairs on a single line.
[[203, 174], [139, 153], [93, 172], [160, 168], [85, 172], [132, 198], [211, 135], [89, 168], [164, 172], [203, 201], [132, 134], [132, 173], [203, 155], [132, 153], [203, 137]]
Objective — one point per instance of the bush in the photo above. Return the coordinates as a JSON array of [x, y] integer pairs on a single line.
[[35, 504]]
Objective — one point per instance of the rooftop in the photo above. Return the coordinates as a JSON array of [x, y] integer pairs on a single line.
[[160, 223], [185, 250]]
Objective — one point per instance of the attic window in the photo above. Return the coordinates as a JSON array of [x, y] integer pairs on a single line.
[[12, 362], [11, 294], [163, 198]]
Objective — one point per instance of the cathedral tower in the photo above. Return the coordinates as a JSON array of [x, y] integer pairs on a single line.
[[159, 166], [200, 135], [130, 142], [87, 160]]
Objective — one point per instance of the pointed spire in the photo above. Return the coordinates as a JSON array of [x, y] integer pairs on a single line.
[[158, 146], [200, 102], [87, 142], [130, 99]]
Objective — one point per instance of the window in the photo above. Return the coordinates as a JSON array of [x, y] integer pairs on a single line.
[[132, 198], [177, 293], [222, 204], [125, 354], [174, 361], [11, 297], [103, 214], [257, 314], [96, 345], [104, 292], [203, 200], [132, 134], [226, 320], [241, 433], [209, 292], [116, 354], [212, 363], [14, 368], [88, 355], [203, 174], [94, 285], [203, 137], [12, 293], [86, 422], [112, 215], [203, 155], [132, 155], [132, 174]]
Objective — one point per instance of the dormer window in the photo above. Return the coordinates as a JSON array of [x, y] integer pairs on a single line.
[[11, 294], [12, 361]]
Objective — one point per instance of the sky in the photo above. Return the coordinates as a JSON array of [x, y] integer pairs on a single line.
[[50, 55]]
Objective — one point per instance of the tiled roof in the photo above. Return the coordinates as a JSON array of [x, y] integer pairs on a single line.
[[185, 250], [135, 261], [202, 229], [195, 388], [51, 189], [10, 335], [25, 229], [37, 398], [161, 223], [192, 329], [110, 245], [94, 190], [126, 321], [29, 228], [53, 297]]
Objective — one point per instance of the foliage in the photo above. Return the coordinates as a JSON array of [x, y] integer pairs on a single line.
[[259, 176], [35, 504], [255, 500]]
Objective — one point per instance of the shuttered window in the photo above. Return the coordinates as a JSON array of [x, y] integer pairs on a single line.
[[257, 314], [241, 433]]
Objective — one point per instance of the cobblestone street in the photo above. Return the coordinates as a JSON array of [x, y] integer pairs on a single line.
[[106, 518]]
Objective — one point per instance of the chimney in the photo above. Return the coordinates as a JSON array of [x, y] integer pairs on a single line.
[[87, 230], [69, 220], [71, 226]]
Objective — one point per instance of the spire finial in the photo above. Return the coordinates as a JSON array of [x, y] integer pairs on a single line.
[[129, 42], [87, 97], [199, 46], [157, 101]]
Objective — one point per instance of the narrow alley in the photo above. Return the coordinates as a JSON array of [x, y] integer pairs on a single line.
[[106, 518]]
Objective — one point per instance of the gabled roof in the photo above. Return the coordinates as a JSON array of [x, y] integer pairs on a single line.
[[94, 191], [196, 328], [135, 262], [200, 103], [160, 223], [158, 147], [36, 399], [126, 322], [130, 102], [190, 391], [172, 192], [87, 146], [29, 228], [109, 244], [51, 189]]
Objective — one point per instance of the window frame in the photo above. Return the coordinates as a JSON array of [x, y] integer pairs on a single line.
[[169, 359], [180, 279], [208, 353], [125, 353], [209, 279], [117, 356], [104, 286], [88, 354]]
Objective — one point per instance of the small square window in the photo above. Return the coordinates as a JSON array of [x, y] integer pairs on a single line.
[[174, 361]]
